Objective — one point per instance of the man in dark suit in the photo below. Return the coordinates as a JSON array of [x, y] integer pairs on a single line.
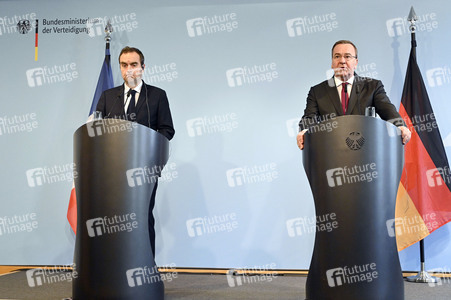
[[346, 93], [138, 102]]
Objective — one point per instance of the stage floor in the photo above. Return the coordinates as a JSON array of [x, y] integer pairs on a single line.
[[206, 286]]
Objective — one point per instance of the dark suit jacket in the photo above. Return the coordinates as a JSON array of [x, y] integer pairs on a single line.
[[323, 100], [111, 104]]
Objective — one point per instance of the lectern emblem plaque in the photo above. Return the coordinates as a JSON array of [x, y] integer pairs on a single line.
[[355, 140]]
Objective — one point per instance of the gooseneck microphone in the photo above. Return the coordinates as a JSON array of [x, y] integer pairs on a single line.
[[370, 111]]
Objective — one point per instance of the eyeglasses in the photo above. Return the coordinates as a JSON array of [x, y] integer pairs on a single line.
[[347, 57]]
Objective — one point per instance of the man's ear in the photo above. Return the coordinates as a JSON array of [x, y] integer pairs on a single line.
[[143, 66]]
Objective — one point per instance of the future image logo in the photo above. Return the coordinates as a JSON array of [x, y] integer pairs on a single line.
[[235, 77], [438, 76], [54, 174], [119, 23], [438, 176], [18, 223], [109, 126], [348, 175], [18, 123], [143, 175], [250, 175], [161, 73], [400, 25], [308, 225], [311, 24], [111, 225], [40, 276], [211, 24], [49, 75], [412, 224], [35, 77], [35, 177], [147, 275], [348, 275], [209, 225], [224, 123], [251, 275], [248, 75], [396, 27]]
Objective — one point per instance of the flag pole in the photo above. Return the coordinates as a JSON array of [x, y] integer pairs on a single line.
[[108, 31], [105, 82], [422, 276]]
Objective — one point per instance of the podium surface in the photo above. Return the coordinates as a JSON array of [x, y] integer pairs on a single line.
[[354, 165], [118, 163]]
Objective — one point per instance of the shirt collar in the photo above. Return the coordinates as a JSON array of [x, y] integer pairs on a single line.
[[136, 88], [338, 81]]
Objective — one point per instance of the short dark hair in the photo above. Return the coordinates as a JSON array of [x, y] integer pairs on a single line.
[[344, 42], [128, 49]]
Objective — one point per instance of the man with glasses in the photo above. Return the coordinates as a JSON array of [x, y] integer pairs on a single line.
[[346, 93]]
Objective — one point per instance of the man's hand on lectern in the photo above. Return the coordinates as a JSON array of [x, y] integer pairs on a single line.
[[405, 134], [300, 138]]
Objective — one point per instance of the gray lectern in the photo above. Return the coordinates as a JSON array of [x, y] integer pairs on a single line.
[[354, 165], [117, 164]]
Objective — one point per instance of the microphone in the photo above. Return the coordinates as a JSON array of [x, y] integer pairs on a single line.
[[97, 115], [370, 111]]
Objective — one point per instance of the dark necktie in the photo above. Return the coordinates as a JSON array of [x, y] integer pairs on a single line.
[[344, 96], [131, 110]]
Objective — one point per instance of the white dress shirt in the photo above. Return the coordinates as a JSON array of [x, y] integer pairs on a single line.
[[127, 99], [338, 83]]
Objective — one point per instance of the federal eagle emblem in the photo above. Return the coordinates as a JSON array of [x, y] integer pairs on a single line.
[[355, 141]]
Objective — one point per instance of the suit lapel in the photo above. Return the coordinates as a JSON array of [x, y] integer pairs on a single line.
[[333, 96], [355, 92], [142, 96], [120, 98]]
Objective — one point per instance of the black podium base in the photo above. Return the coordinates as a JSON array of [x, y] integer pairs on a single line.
[[118, 163], [354, 172]]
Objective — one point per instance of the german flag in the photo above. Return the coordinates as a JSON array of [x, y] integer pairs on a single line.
[[423, 202], [36, 35]]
